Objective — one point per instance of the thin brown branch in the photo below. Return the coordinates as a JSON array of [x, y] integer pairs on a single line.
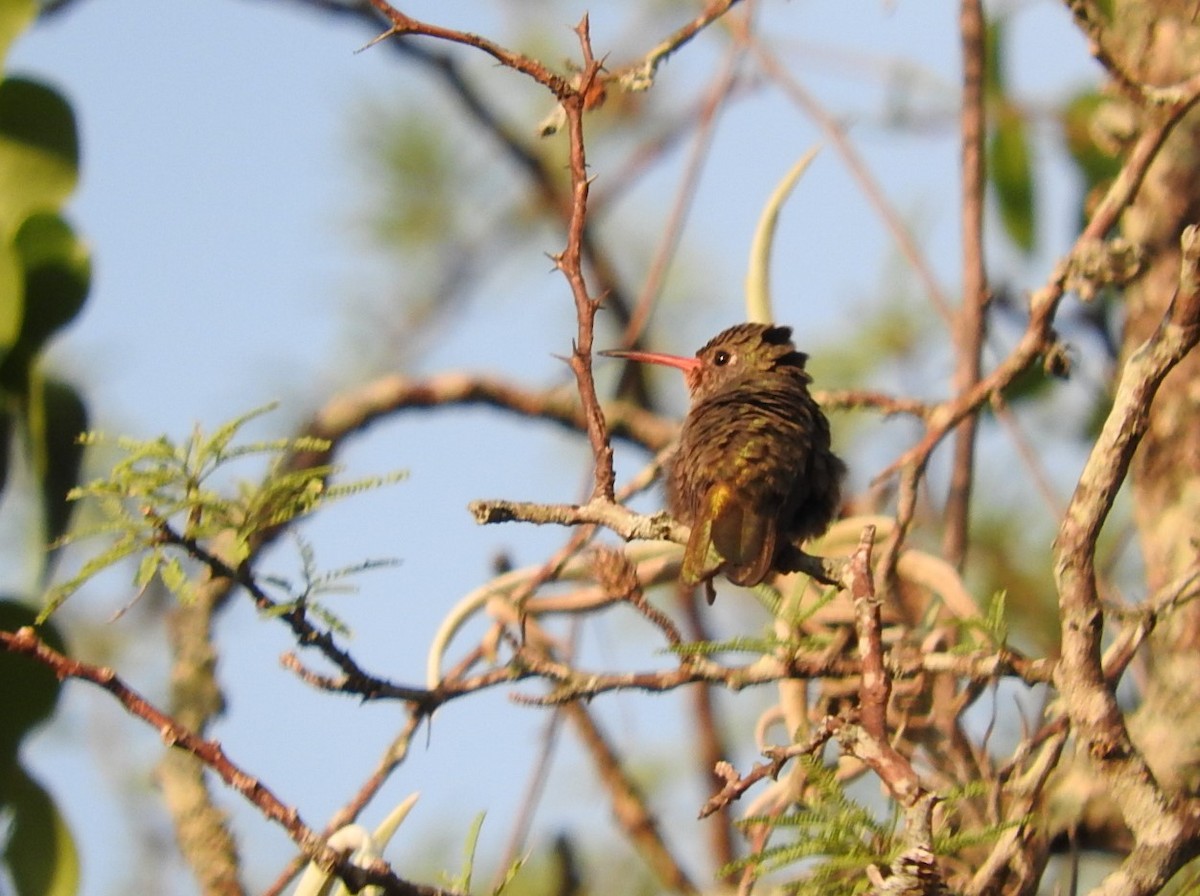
[[631, 526], [570, 262], [211, 754], [575, 684], [629, 804], [875, 686], [1008, 858], [403, 25], [640, 75], [1039, 336], [356, 409], [624, 522], [777, 758], [710, 735], [970, 319], [1026, 451], [535, 788], [355, 679]]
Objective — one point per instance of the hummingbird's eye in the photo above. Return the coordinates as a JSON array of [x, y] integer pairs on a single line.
[[722, 358]]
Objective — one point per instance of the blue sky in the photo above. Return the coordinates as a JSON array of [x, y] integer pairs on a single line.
[[220, 193]]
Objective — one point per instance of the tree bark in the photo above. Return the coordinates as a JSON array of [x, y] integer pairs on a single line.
[[1158, 43]]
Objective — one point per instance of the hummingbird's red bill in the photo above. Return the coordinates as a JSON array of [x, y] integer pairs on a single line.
[[691, 367], [677, 361]]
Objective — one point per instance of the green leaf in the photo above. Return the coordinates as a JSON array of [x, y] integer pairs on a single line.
[[30, 690], [1011, 174], [125, 545], [175, 579], [147, 569], [6, 436], [995, 617], [993, 59], [39, 150], [40, 854], [1097, 163], [57, 273], [12, 296], [463, 882], [1030, 384], [58, 453]]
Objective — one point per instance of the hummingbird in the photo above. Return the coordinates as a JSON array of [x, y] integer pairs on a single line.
[[754, 474]]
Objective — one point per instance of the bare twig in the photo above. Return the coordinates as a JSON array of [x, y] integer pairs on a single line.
[[628, 803], [777, 758], [970, 323], [356, 679], [640, 75], [25, 641], [403, 25], [570, 262]]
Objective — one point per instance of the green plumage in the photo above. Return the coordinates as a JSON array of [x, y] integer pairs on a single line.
[[754, 470]]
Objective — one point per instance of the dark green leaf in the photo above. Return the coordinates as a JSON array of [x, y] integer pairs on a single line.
[[65, 419], [6, 437], [29, 690], [1097, 164], [56, 273], [39, 149], [1011, 174], [12, 297], [40, 854], [993, 60], [1031, 383]]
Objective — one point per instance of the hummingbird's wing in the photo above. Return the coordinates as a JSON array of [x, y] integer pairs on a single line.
[[729, 537]]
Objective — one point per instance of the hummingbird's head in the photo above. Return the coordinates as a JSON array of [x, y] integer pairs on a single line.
[[739, 353], [743, 352]]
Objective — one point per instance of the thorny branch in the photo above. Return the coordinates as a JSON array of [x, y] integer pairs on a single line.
[[570, 262], [194, 629], [1083, 678], [1039, 338], [26, 642]]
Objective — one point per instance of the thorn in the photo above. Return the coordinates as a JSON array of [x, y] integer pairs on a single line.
[[391, 32]]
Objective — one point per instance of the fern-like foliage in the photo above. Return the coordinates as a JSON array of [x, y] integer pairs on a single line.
[[794, 612], [958, 836], [989, 631], [159, 502], [302, 596], [831, 839]]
